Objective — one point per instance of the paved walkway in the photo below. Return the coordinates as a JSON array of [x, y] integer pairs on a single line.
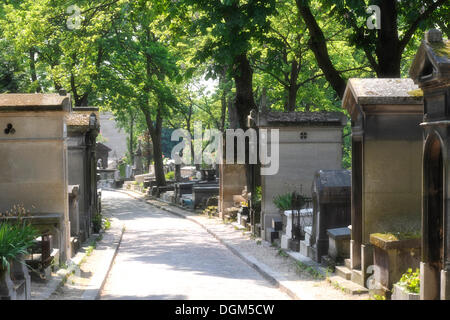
[[165, 257]]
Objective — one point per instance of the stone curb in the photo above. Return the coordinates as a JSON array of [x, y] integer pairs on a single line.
[[62, 274], [92, 292], [273, 277], [98, 280]]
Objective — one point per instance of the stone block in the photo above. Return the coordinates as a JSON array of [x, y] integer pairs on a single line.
[[294, 245], [339, 243], [399, 293], [429, 284], [303, 248], [277, 224], [445, 285]]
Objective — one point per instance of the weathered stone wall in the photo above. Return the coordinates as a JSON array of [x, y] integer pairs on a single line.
[[232, 182], [33, 166], [299, 160], [392, 186]]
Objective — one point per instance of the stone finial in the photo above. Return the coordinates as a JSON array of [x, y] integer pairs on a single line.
[[433, 35], [62, 92]]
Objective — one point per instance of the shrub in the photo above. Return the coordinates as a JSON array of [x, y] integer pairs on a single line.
[[170, 175], [410, 281], [283, 202], [97, 222], [15, 239]]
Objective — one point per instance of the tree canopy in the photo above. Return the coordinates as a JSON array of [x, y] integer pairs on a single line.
[[151, 62]]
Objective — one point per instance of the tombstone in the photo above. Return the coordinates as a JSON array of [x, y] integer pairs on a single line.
[[431, 71], [386, 156], [181, 189], [33, 161], [74, 212], [138, 164], [232, 180], [331, 195], [201, 192], [308, 141], [102, 152], [82, 130]]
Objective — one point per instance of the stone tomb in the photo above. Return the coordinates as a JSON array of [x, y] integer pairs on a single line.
[[102, 153], [82, 130], [232, 180], [308, 141], [202, 191], [386, 159], [331, 194], [431, 70], [33, 161]]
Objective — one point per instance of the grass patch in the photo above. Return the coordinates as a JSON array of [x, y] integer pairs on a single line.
[[282, 253], [301, 267]]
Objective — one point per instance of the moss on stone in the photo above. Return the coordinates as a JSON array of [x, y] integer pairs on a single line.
[[398, 236], [416, 93], [441, 49]]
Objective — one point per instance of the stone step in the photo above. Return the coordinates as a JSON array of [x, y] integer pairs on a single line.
[[348, 263], [357, 277], [347, 286], [343, 272]]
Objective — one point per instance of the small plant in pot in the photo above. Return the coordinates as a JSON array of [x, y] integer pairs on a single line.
[[283, 202], [408, 287], [15, 241]]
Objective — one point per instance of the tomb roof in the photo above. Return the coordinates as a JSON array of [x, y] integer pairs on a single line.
[[80, 118], [372, 91], [301, 118], [101, 147], [432, 61], [12, 102]]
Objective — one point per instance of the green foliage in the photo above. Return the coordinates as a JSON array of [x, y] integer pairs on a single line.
[[410, 281], [302, 267], [283, 201], [97, 221], [106, 224], [170, 175], [122, 167], [15, 239]]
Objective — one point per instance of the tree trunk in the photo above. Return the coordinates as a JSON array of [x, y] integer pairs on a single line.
[[318, 45], [388, 45], [33, 71], [243, 78], [157, 153], [131, 151], [244, 103], [155, 133], [293, 86]]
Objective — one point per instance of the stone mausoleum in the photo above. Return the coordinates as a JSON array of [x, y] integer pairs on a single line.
[[386, 164], [33, 161], [431, 71], [83, 127], [308, 142]]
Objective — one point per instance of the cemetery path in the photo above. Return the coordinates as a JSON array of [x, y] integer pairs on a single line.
[[165, 257]]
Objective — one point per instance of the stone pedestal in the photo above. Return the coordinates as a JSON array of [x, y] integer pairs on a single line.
[[7, 291], [393, 258], [339, 244], [429, 283], [19, 272]]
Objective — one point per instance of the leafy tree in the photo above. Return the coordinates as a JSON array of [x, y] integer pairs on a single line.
[[140, 68], [384, 48]]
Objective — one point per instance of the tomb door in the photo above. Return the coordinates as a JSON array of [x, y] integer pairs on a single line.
[[433, 227]]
